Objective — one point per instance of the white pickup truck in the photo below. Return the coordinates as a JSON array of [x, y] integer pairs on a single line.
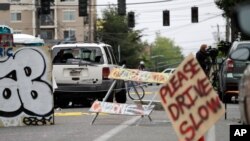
[[81, 72]]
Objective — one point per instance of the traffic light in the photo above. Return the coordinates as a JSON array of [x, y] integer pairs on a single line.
[[166, 17], [45, 6], [194, 15], [131, 19], [122, 7], [83, 7]]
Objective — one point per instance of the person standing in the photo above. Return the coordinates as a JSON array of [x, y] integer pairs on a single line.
[[141, 66], [203, 58]]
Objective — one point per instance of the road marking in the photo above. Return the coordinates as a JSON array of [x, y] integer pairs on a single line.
[[117, 129], [61, 114], [145, 93]]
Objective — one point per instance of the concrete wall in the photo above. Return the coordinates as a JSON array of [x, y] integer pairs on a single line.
[[26, 96]]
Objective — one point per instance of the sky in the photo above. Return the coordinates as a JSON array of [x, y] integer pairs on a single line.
[[189, 36]]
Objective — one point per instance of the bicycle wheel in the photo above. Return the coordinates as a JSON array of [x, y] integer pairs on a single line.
[[132, 93], [215, 80]]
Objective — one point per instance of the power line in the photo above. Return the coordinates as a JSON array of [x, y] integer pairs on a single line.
[[136, 3], [186, 25]]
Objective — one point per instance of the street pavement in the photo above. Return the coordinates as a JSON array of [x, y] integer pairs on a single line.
[[73, 124]]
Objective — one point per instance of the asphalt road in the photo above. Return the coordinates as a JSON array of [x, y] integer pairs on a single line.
[[73, 124]]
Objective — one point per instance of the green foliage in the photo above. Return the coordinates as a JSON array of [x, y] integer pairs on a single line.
[[169, 55], [227, 5], [116, 33]]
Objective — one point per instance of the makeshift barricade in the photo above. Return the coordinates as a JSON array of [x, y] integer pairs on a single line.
[[128, 109]]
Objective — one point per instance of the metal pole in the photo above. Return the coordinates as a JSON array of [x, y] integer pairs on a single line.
[[106, 96], [90, 21], [37, 33], [227, 29]]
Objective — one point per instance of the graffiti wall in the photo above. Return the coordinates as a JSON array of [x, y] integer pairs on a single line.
[[26, 96]]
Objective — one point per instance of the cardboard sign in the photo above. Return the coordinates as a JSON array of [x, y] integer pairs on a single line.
[[190, 101], [118, 108], [137, 75]]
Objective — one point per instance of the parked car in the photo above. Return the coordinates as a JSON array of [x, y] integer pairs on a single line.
[[81, 72], [168, 71], [243, 54], [231, 72]]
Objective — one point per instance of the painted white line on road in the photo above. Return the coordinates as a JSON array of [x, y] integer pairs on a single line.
[[117, 129]]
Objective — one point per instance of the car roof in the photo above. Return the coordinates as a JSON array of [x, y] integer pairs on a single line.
[[80, 45], [168, 69], [237, 43]]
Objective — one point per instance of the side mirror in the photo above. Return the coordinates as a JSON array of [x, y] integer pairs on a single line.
[[241, 54]]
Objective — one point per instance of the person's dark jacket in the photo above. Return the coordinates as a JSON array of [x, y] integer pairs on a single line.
[[202, 58]]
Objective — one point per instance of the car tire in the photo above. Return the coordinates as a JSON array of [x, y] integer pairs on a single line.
[[121, 97], [63, 103]]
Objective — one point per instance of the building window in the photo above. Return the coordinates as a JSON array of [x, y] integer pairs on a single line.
[[17, 16], [67, 0], [15, 0], [69, 35], [46, 20], [47, 34], [17, 32], [69, 15]]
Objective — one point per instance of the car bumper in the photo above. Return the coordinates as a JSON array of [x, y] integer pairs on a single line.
[[104, 87], [231, 84], [84, 87]]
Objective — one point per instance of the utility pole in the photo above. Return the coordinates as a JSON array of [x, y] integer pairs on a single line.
[[218, 32], [90, 21], [37, 18], [227, 30]]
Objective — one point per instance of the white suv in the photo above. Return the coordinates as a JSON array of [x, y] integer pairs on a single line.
[[81, 72]]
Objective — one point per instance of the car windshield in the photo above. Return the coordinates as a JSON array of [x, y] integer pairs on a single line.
[[77, 55]]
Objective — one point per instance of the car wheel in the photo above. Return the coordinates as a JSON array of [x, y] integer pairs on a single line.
[[63, 103], [111, 97], [121, 97]]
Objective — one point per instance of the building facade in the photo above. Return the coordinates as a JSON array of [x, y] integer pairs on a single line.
[[63, 22]]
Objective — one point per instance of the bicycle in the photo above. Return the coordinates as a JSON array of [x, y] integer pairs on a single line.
[[135, 90]]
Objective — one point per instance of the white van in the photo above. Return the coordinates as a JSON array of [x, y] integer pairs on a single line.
[[81, 72]]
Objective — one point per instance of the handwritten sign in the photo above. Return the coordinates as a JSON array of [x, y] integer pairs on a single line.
[[137, 75], [118, 108], [190, 101]]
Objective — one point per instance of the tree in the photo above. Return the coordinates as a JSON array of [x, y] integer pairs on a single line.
[[115, 32], [228, 6], [165, 53]]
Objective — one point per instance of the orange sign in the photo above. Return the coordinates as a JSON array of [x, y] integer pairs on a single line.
[[190, 101]]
